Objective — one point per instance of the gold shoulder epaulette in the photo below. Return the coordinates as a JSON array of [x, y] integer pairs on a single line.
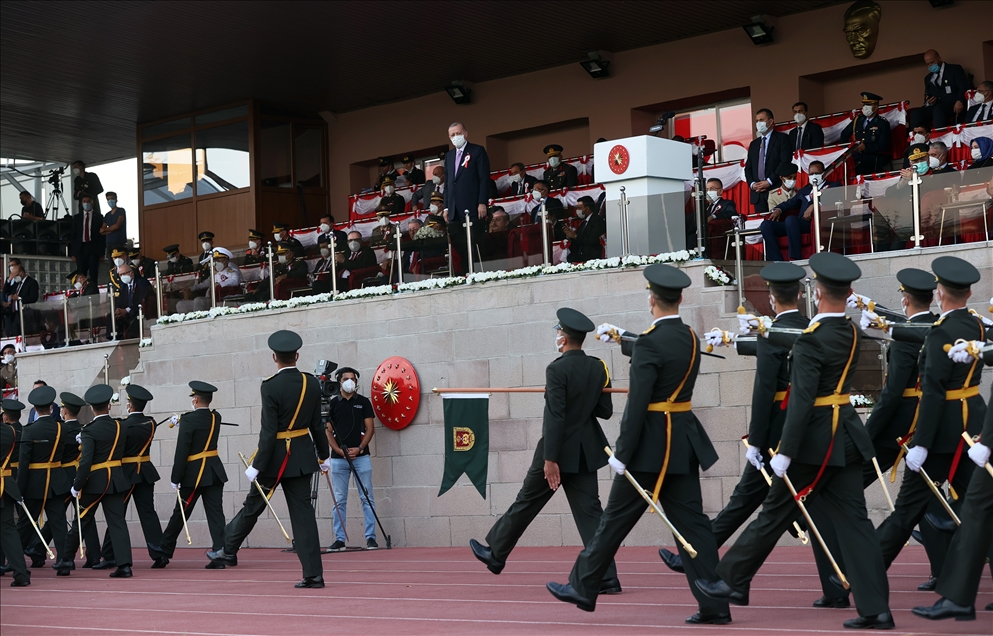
[[939, 321], [269, 378], [812, 328], [649, 330]]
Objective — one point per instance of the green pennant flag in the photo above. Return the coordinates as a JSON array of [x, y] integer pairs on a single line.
[[467, 439]]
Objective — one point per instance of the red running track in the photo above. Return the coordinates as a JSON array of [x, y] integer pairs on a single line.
[[438, 591]]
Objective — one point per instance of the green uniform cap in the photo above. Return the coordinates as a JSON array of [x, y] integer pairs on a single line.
[[71, 399], [834, 269], [99, 394], [138, 392], [916, 280], [782, 273], [664, 278], [42, 396], [573, 322], [284, 341], [954, 272], [202, 387], [13, 406]]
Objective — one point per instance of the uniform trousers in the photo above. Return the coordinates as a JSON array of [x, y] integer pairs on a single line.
[[10, 542], [113, 510], [90, 537], [213, 508], [303, 522], [143, 496], [55, 518], [972, 542]]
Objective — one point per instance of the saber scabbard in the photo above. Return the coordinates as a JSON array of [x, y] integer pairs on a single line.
[[879, 474], [813, 528], [189, 541], [266, 500], [34, 525], [933, 487], [79, 526], [656, 508], [796, 526], [971, 441]]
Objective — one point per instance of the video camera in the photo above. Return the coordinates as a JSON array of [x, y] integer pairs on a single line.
[[55, 177], [329, 386]]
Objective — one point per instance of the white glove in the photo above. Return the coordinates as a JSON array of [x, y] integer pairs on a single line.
[[779, 463], [616, 465], [980, 454], [754, 457], [870, 319], [748, 323], [79, 438], [75, 493], [606, 331], [858, 301], [960, 352], [718, 338], [252, 473], [326, 465], [174, 486], [916, 457], [986, 321], [345, 274], [173, 421]]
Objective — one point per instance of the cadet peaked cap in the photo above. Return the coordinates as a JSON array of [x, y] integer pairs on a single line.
[[202, 387], [138, 392], [834, 269], [916, 281], [284, 341], [954, 272], [71, 399], [574, 323], [12, 405], [98, 394], [42, 396], [782, 273], [664, 278]]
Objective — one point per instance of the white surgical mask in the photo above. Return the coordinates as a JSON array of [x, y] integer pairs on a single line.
[[78, 285], [559, 343], [817, 179], [761, 127], [282, 258], [325, 228], [118, 262], [537, 196], [977, 99], [867, 110], [458, 141], [554, 162], [817, 297], [976, 153], [253, 245], [713, 195], [173, 259], [75, 172], [436, 179], [934, 162], [193, 404], [434, 208], [383, 221], [799, 118], [277, 236], [325, 252], [389, 189], [206, 246], [112, 203], [136, 261], [789, 183], [580, 213], [348, 386], [354, 246], [515, 178], [7, 359], [126, 279], [219, 266], [919, 139]]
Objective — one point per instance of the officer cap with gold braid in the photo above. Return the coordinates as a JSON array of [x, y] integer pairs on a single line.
[[834, 269], [197, 387], [954, 272], [918, 153], [171, 249], [666, 280], [553, 150], [574, 323], [870, 98], [206, 236], [916, 281], [117, 253], [42, 396], [254, 234], [782, 273]]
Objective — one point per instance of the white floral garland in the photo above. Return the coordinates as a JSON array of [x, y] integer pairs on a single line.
[[718, 275], [437, 283], [861, 401]]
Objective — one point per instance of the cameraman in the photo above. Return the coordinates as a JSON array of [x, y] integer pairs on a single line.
[[352, 419]]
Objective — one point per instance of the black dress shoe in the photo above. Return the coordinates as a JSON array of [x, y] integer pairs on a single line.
[[720, 618], [20, 582], [104, 565], [566, 594], [485, 554], [722, 591], [64, 565], [928, 585], [123, 572], [62, 572], [610, 586], [37, 561], [880, 621], [219, 559], [672, 560], [945, 608], [315, 582], [90, 563], [989, 607], [4, 569], [160, 563], [827, 601]]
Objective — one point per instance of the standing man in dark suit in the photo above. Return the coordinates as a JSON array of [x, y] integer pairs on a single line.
[[982, 110], [86, 245], [128, 300], [520, 181], [290, 443], [569, 452], [584, 241], [944, 90], [100, 480], [663, 445], [10, 542], [871, 133], [824, 445], [467, 175], [766, 153], [807, 134], [19, 290], [197, 471]]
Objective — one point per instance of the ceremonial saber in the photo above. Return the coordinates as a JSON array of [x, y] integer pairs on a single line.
[[519, 389], [813, 527], [79, 526], [627, 338], [971, 441], [644, 495], [334, 501], [796, 526], [34, 525], [189, 541], [266, 500], [934, 488], [879, 309], [886, 490]]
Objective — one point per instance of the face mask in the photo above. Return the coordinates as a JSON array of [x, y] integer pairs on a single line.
[[206, 246], [436, 179], [976, 153], [389, 189], [434, 208], [799, 118], [817, 179], [282, 258], [325, 228], [354, 246], [919, 138], [922, 167], [87, 206], [253, 245], [934, 162], [761, 127], [537, 196], [78, 285], [348, 386], [934, 68], [75, 172], [817, 297], [193, 404], [939, 297], [7, 359], [554, 162], [118, 262], [580, 213], [867, 110], [515, 178], [16, 279], [559, 343], [713, 195], [219, 266], [789, 183], [136, 261], [383, 221], [126, 279], [651, 303], [458, 141], [325, 252], [112, 203], [173, 259], [277, 237]]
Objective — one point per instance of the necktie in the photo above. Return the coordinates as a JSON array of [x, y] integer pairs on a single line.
[[799, 137], [762, 159], [86, 227], [458, 160]]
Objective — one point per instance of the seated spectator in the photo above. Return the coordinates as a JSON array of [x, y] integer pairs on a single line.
[[944, 90], [720, 211], [226, 281], [114, 228], [551, 205], [8, 367], [81, 285], [178, 264], [520, 181], [938, 158], [981, 150], [920, 131], [320, 278], [413, 225], [327, 229], [384, 233], [409, 253], [434, 228], [52, 335], [717, 206], [792, 218], [391, 201], [359, 256], [787, 173], [255, 254], [129, 299], [19, 290], [982, 109], [493, 244], [422, 196], [559, 174], [926, 160], [144, 267], [499, 220], [281, 234], [871, 133], [413, 175], [437, 203], [807, 134], [584, 241], [386, 171], [430, 242], [30, 209], [203, 261]]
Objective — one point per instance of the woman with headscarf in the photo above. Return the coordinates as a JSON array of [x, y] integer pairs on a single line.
[[982, 153]]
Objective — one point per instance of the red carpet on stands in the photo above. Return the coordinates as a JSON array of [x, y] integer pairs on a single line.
[[439, 591]]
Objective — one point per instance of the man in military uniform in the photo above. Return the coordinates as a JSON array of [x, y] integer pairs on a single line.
[[255, 254], [386, 171], [141, 265], [665, 447], [413, 174], [391, 202], [40, 479], [197, 471], [950, 404], [10, 542], [281, 235], [558, 174], [290, 443], [871, 132], [8, 368], [81, 285], [828, 442], [569, 452], [12, 416], [178, 264], [100, 480], [118, 257]]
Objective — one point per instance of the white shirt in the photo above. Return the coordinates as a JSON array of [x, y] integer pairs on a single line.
[[820, 317], [920, 313], [983, 112], [665, 318], [788, 311]]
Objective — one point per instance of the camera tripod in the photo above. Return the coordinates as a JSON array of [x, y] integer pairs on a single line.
[[358, 482], [55, 197]]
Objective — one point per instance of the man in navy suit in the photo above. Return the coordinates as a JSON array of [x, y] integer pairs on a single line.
[[792, 218], [807, 134], [944, 90], [128, 300], [983, 108], [766, 153], [467, 175]]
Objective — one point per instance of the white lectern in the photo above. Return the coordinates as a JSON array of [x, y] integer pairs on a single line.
[[653, 173]]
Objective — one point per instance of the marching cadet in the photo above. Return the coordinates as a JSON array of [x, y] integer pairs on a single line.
[[871, 131], [100, 480], [569, 452], [290, 443], [950, 404], [40, 479], [139, 429], [10, 542], [828, 442], [559, 175], [197, 472], [662, 443]]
